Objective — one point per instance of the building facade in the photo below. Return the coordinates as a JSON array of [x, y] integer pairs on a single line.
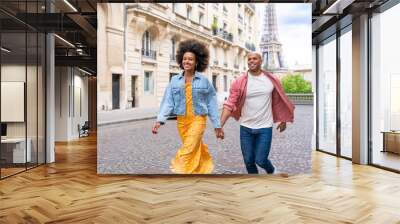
[[136, 51]]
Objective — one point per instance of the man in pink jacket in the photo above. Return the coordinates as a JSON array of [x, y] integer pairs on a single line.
[[257, 100]]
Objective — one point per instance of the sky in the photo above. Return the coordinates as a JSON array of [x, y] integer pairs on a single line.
[[294, 31]]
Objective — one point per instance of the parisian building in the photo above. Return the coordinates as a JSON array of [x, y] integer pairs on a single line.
[[137, 50]]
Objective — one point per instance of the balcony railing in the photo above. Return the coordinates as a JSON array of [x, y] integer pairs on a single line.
[[250, 46], [301, 98], [223, 34], [149, 54]]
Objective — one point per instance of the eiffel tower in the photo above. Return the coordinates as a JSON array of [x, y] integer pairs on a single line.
[[270, 46]]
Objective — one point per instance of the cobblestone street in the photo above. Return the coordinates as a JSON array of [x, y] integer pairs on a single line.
[[131, 148]]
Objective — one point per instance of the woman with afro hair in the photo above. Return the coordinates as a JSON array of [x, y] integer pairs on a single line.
[[192, 98]]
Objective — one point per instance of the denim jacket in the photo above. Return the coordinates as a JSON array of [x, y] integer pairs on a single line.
[[204, 99]]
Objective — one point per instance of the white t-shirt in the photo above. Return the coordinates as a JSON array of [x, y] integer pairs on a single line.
[[257, 108]]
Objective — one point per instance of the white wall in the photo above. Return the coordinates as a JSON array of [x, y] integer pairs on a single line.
[[61, 103], [81, 84], [12, 73], [70, 84]]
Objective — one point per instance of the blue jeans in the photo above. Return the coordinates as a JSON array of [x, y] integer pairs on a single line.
[[255, 145]]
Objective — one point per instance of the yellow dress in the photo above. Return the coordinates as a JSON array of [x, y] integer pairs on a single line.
[[193, 157]]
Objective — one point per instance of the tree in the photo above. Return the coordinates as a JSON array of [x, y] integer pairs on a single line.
[[214, 25], [295, 83]]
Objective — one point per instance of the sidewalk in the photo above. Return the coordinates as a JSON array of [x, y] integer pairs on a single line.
[[128, 115], [125, 115]]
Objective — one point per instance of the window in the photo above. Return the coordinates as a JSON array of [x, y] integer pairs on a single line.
[[23, 79], [148, 82], [147, 46], [214, 55], [327, 96], [385, 88], [201, 17], [189, 12], [214, 81], [173, 49], [236, 62], [116, 87], [346, 94], [146, 42], [240, 34], [225, 59], [225, 83]]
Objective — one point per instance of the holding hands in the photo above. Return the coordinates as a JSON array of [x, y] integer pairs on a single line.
[[219, 133], [281, 127]]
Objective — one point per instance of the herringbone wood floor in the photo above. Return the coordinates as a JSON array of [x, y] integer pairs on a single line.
[[70, 191]]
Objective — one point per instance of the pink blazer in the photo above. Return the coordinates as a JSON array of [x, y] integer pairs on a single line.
[[282, 108]]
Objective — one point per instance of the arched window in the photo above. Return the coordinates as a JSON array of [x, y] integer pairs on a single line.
[[146, 43]]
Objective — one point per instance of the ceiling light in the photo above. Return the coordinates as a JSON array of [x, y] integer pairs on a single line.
[[70, 5], [326, 11], [5, 50], [86, 72], [337, 7], [64, 40], [79, 51]]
